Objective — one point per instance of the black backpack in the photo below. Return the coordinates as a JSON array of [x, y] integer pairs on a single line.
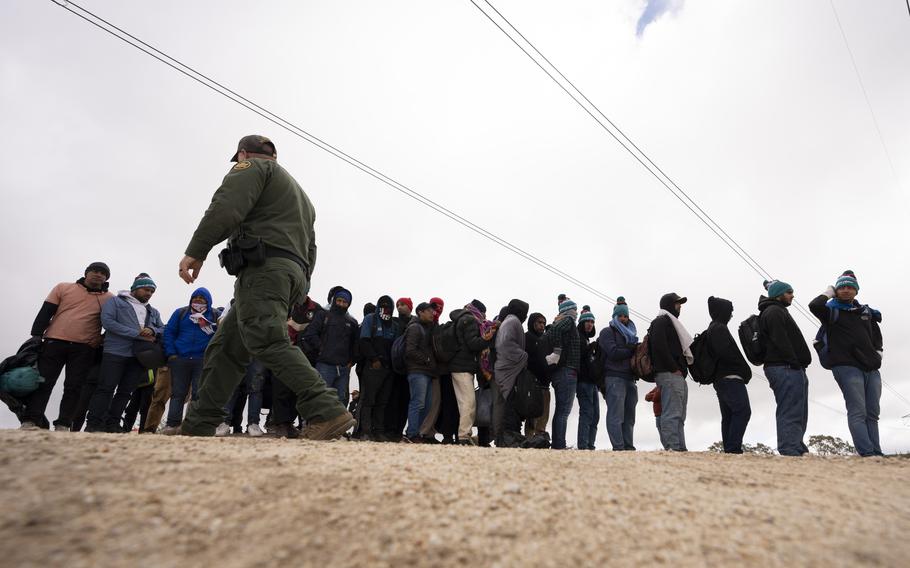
[[821, 340], [528, 396], [751, 340], [704, 365], [445, 340], [594, 365]]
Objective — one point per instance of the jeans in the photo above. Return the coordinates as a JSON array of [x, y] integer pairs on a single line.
[[862, 392], [674, 398], [250, 388], [621, 396], [420, 402], [120, 374], [588, 415], [565, 381], [336, 377], [735, 412], [660, 433], [185, 373], [791, 392]]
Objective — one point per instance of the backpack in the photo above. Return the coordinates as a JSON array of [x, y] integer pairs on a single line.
[[528, 396], [821, 340], [398, 363], [594, 365], [705, 365], [445, 340], [751, 340], [641, 361]]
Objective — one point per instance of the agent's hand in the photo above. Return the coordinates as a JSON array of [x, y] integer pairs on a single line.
[[190, 269]]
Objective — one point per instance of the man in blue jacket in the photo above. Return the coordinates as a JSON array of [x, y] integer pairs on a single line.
[[186, 336], [127, 318]]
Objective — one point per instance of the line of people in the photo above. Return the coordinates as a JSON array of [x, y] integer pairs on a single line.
[[426, 381]]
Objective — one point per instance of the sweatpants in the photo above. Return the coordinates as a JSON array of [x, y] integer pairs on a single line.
[[463, 384]]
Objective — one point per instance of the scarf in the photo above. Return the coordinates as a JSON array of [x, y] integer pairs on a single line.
[[485, 326], [628, 331], [836, 304], [685, 340], [208, 327]]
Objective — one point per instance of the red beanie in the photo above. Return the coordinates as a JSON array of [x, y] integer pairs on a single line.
[[407, 301], [439, 306]]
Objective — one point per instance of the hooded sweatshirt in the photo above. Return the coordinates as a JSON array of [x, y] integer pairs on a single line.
[[584, 346], [783, 342], [186, 338], [332, 335], [537, 352], [377, 333], [730, 360]]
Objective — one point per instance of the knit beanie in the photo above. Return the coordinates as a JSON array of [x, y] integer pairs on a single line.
[[585, 316], [847, 279], [479, 305], [343, 294], [621, 309], [143, 281], [406, 301], [777, 288], [567, 305], [98, 267]]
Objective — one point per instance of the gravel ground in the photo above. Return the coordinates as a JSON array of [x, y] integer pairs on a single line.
[[118, 500]]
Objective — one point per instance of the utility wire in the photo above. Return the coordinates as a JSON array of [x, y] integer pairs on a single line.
[[704, 217], [862, 86], [300, 133], [217, 87], [641, 157]]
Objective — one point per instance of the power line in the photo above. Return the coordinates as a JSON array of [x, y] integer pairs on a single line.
[[704, 217], [332, 150], [217, 87], [641, 157], [862, 86]]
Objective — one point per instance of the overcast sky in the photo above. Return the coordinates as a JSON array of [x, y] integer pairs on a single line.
[[753, 107]]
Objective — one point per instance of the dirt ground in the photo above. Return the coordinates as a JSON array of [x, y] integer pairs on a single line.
[[117, 500]]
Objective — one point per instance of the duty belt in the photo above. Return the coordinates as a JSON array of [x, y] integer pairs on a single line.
[[274, 252]]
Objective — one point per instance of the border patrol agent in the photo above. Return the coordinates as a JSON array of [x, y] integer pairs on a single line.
[[268, 221]]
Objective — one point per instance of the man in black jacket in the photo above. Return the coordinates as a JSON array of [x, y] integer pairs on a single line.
[[786, 359], [333, 334], [421, 364], [537, 365], [854, 355], [670, 356], [731, 375], [464, 364]]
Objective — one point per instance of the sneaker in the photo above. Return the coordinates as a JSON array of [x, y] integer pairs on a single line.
[[254, 430], [222, 430], [413, 440], [331, 429], [170, 431], [466, 442], [28, 426]]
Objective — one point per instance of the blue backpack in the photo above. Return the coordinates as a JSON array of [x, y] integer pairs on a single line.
[[821, 340]]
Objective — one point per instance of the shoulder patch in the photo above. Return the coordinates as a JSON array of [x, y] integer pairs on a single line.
[[241, 165]]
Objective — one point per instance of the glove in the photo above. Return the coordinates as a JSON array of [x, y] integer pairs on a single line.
[[552, 359], [829, 291]]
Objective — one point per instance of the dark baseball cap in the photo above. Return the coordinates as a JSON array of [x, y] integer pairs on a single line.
[[673, 298], [424, 306], [256, 144]]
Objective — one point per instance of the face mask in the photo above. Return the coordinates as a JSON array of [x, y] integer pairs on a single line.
[[197, 307]]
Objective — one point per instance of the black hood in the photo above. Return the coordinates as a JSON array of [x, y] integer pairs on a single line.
[[533, 318], [765, 302], [518, 309], [581, 330], [368, 308], [720, 310]]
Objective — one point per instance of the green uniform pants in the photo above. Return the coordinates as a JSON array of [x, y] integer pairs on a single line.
[[256, 327]]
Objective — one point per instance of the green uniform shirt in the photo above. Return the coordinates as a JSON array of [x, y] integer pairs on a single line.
[[261, 197]]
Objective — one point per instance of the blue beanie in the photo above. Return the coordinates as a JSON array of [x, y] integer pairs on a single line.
[[847, 279], [777, 288], [143, 281], [343, 294], [567, 305], [585, 316], [621, 308]]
